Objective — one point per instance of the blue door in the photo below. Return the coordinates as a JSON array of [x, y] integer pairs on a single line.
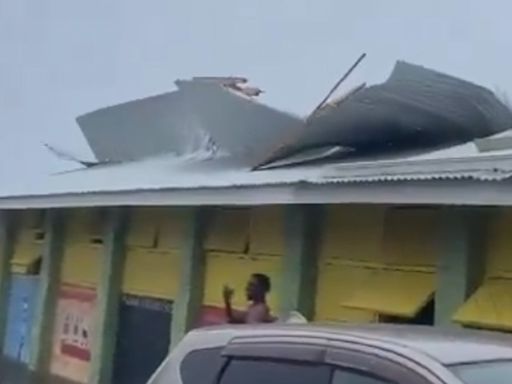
[[22, 299], [143, 338]]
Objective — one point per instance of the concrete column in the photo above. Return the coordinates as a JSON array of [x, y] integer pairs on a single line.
[[109, 295], [6, 252], [42, 330], [300, 264], [190, 295], [461, 264]]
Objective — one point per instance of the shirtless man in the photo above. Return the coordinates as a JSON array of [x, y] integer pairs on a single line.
[[258, 311]]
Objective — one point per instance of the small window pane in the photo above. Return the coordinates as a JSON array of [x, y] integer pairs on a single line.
[[274, 372], [353, 377], [201, 366]]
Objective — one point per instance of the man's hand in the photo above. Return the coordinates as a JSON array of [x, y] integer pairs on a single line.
[[228, 293]]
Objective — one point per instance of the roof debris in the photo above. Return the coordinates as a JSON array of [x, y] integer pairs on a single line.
[[212, 132]]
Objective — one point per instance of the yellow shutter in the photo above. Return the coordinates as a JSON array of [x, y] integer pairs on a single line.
[[85, 226], [357, 293], [489, 307], [392, 292], [499, 262], [25, 258], [143, 227], [81, 264], [228, 230], [410, 237], [353, 233], [29, 240], [171, 231], [267, 231], [337, 282], [152, 273]]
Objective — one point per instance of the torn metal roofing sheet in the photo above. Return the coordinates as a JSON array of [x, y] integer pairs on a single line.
[[415, 108], [203, 114], [241, 126], [142, 128]]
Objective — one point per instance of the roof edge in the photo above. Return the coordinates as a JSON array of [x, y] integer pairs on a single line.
[[438, 192]]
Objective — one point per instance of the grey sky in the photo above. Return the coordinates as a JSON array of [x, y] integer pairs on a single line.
[[62, 58]]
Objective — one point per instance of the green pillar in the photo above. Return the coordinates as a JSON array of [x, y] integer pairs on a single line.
[[190, 295], [299, 276], [42, 330], [109, 295], [6, 251], [461, 263]]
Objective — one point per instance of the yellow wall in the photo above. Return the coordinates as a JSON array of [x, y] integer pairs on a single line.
[[499, 245], [490, 306], [83, 247], [242, 241], [152, 266], [29, 240], [375, 261]]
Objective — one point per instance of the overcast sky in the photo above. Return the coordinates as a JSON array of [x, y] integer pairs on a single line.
[[62, 58]]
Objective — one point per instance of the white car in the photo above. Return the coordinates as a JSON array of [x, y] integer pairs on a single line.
[[309, 354]]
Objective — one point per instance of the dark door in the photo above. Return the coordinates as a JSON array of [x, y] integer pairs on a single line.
[[143, 338]]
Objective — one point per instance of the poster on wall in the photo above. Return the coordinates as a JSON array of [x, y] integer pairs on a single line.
[[71, 352]]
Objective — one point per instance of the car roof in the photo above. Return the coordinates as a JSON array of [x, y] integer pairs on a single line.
[[447, 345]]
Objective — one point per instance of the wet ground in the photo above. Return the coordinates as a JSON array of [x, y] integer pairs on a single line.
[[14, 373]]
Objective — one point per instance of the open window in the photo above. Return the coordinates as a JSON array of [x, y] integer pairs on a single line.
[[392, 294], [425, 316]]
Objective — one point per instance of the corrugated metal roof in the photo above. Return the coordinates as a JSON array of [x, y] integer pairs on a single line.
[[477, 167], [175, 173]]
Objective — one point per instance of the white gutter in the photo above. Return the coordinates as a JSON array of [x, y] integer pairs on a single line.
[[445, 192]]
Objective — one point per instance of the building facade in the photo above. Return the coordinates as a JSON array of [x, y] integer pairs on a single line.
[[100, 294]]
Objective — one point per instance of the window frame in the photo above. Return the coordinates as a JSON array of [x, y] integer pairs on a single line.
[[220, 370], [374, 362], [283, 360], [352, 356]]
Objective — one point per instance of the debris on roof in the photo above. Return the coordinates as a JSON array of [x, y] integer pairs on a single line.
[[213, 133], [415, 109], [66, 156]]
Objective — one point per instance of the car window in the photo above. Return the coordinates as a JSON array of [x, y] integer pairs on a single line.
[[274, 372], [498, 372], [201, 366], [352, 377]]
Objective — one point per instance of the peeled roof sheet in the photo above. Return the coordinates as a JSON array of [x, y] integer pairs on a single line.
[[415, 108]]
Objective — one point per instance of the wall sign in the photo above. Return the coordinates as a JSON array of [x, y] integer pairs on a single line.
[[73, 332]]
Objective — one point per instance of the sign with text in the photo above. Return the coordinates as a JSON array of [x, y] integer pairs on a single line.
[[71, 353]]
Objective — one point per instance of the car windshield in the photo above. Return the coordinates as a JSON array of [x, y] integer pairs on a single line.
[[498, 372]]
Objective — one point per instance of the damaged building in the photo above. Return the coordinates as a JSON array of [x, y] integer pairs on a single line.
[[389, 204]]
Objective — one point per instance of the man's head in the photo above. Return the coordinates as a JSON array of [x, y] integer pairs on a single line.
[[258, 287]]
